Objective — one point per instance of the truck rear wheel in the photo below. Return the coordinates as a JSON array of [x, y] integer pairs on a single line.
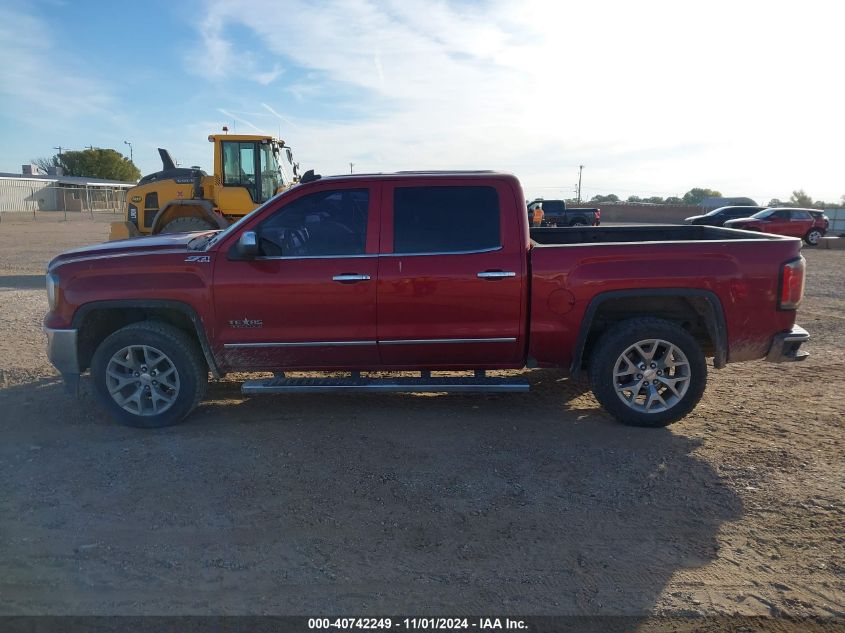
[[648, 372], [187, 225], [149, 374]]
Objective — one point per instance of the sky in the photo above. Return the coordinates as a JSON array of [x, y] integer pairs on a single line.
[[652, 97]]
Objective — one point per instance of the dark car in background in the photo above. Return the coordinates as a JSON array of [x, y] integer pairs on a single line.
[[555, 213], [808, 224], [718, 217]]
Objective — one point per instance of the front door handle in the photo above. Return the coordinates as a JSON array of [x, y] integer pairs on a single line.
[[350, 278], [495, 274]]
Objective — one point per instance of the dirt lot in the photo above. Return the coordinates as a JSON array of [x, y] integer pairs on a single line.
[[529, 504]]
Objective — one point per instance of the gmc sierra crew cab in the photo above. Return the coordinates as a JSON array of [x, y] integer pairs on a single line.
[[419, 272]]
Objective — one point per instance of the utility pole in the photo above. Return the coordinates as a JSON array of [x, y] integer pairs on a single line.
[[351, 165], [60, 148], [580, 169], [131, 159]]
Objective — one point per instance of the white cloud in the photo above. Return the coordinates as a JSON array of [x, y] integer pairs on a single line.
[[653, 96], [38, 85]]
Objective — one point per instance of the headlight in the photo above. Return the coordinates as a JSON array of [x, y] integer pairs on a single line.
[[52, 290]]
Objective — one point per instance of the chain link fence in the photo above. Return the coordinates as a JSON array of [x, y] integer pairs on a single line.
[[32, 198]]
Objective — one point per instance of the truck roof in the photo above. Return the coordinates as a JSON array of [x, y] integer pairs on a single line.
[[422, 174]]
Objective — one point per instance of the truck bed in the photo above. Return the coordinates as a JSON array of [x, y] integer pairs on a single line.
[[648, 233], [572, 268]]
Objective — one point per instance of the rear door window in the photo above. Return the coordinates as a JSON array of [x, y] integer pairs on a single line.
[[445, 219]]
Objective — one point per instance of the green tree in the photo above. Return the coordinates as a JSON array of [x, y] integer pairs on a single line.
[[634, 199], [612, 197], [698, 194], [98, 163], [673, 200], [655, 200], [775, 202], [800, 199]]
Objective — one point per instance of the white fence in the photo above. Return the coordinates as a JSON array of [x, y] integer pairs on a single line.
[[33, 195], [837, 221]]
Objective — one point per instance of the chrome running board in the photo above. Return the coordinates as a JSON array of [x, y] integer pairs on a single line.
[[479, 383]]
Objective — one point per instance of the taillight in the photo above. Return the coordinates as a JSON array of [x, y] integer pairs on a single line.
[[598, 214], [792, 284]]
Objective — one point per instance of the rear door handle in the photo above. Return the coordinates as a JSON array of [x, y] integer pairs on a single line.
[[495, 274], [350, 278]]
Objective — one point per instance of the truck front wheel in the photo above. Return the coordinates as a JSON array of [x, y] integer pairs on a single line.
[[648, 372], [149, 374]]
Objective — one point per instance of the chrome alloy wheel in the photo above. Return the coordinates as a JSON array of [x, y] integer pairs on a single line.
[[142, 380], [651, 376]]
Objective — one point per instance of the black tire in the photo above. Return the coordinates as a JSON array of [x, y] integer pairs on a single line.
[[187, 225], [179, 350], [813, 237], [616, 341], [578, 222]]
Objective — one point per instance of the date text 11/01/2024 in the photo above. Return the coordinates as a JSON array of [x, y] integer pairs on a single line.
[[432, 623]]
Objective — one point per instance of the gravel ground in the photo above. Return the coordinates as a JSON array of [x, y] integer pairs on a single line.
[[362, 504]]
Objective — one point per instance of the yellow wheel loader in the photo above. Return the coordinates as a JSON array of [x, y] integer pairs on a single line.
[[248, 171]]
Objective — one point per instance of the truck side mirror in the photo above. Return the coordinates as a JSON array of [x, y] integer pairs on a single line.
[[248, 245]]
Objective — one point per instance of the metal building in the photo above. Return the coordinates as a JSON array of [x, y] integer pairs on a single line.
[[28, 193]]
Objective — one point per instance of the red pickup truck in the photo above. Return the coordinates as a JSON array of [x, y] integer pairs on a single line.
[[418, 272], [808, 224]]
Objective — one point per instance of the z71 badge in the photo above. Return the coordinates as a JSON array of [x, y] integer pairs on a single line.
[[200, 259], [246, 323]]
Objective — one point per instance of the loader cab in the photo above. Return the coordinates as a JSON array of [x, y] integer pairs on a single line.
[[249, 171]]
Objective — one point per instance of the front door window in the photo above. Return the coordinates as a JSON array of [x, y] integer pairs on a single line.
[[327, 223]]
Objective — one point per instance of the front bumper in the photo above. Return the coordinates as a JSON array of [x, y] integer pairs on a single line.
[[785, 346], [62, 352]]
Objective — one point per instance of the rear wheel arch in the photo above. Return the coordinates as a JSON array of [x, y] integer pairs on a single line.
[[697, 311], [97, 320]]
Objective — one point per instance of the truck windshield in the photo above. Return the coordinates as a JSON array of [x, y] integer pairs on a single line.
[[229, 229]]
